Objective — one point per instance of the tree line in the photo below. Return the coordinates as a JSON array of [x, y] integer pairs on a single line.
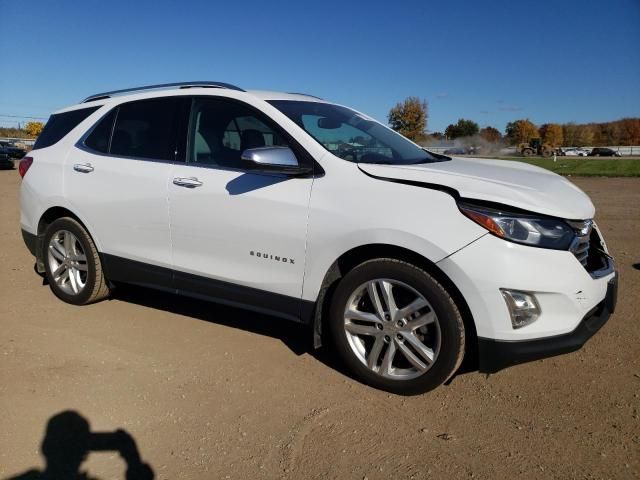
[[30, 131], [410, 119]]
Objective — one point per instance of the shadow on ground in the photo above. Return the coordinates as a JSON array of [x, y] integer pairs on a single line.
[[68, 442], [297, 337]]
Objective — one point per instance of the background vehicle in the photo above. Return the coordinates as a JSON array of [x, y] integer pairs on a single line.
[[604, 152], [535, 147], [290, 205], [455, 151], [575, 152], [12, 150], [5, 161]]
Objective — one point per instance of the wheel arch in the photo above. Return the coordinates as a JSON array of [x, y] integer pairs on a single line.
[[46, 219], [357, 255]]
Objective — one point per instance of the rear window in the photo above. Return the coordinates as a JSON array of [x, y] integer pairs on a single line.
[[100, 137], [60, 124], [146, 129]]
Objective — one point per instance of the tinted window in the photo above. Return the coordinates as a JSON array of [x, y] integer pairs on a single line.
[[222, 130], [146, 129], [60, 124], [100, 137]]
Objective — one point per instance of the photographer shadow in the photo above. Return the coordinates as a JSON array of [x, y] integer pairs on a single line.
[[68, 442]]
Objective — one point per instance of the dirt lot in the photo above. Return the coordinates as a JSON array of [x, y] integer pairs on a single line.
[[214, 392]]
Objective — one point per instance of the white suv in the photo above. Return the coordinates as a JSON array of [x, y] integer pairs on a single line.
[[304, 209]]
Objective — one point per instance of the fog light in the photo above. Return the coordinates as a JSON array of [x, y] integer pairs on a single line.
[[523, 307]]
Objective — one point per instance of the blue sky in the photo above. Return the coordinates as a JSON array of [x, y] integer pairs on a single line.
[[562, 60]]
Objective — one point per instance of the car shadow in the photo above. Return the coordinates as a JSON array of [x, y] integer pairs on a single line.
[[297, 337], [248, 182]]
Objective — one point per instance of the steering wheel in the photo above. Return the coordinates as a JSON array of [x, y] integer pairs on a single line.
[[346, 152]]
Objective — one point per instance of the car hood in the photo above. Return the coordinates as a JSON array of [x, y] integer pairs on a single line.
[[509, 183]]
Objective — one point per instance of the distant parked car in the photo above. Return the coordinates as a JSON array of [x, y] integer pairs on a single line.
[[455, 151], [5, 161], [461, 151], [575, 152], [604, 152], [12, 150]]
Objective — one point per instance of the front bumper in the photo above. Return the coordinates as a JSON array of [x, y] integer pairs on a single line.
[[574, 300], [495, 355]]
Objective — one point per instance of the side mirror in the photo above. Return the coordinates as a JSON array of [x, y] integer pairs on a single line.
[[274, 160]]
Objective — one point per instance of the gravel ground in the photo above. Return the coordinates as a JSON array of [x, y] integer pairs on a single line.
[[213, 392]]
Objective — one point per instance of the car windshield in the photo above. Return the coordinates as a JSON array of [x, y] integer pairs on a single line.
[[352, 136]]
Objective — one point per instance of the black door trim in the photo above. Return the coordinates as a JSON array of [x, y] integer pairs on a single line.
[[124, 270]]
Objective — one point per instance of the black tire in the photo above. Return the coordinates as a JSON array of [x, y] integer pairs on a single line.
[[95, 287], [452, 331]]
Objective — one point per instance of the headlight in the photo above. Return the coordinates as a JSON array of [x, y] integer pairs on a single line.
[[528, 229]]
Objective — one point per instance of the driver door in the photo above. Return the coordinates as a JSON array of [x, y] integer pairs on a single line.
[[237, 235]]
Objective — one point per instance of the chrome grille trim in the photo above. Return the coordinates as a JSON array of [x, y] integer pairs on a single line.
[[580, 245]]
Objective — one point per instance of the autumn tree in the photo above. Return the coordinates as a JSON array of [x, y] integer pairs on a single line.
[[33, 129], [584, 135], [491, 134], [464, 128], [551, 133], [521, 131], [629, 131], [410, 118]]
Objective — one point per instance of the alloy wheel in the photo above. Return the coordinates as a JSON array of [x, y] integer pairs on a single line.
[[392, 329], [67, 262]]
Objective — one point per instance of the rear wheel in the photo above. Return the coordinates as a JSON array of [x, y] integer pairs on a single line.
[[527, 152], [72, 264], [396, 327]]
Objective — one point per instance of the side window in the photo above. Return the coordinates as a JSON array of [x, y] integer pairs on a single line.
[[100, 137], [146, 129], [59, 125], [221, 130]]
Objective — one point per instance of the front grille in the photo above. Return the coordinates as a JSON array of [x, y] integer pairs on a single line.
[[588, 247], [581, 244], [580, 249]]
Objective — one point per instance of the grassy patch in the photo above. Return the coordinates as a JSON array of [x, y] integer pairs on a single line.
[[586, 166]]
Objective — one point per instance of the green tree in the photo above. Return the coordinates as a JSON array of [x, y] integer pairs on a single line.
[[491, 134], [410, 118], [33, 129], [464, 128], [520, 131], [552, 134]]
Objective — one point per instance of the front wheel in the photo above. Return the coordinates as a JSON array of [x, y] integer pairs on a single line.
[[396, 327], [72, 264]]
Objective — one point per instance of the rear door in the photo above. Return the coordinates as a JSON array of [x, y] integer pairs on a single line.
[[116, 179], [237, 235]]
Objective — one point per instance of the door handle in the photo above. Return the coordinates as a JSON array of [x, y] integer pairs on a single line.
[[83, 167], [190, 182]]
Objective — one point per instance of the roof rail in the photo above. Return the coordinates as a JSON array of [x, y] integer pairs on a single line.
[[101, 96], [305, 94]]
